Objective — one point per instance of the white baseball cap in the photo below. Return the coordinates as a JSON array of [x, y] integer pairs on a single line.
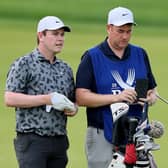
[[51, 23], [120, 16]]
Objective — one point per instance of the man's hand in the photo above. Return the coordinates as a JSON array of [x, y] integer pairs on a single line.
[[70, 113], [128, 95], [60, 102], [151, 98]]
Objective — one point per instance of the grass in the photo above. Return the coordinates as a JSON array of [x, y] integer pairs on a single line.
[[21, 41], [87, 19]]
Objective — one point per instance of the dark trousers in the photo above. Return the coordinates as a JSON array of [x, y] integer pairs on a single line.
[[34, 151]]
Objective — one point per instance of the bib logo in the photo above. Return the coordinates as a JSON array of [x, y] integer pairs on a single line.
[[128, 84]]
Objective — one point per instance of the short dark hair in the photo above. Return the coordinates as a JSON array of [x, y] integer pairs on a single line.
[[44, 33]]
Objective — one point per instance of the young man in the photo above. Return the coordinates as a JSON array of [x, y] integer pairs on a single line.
[[107, 74], [41, 88]]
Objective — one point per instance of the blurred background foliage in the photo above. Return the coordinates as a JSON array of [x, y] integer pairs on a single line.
[[148, 13]]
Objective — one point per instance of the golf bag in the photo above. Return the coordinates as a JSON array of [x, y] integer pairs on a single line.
[[133, 145]]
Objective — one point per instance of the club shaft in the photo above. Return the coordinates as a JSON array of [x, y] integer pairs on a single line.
[[162, 99]]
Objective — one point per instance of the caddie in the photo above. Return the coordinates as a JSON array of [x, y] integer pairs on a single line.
[[107, 74], [40, 87]]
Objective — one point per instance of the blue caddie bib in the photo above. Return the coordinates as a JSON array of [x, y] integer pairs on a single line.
[[113, 76]]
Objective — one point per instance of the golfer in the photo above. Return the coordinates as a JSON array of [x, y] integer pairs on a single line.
[[107, 74], [40, 87]]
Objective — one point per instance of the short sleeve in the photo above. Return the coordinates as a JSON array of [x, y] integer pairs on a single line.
[[151, 79], [17, 76], [85, 76]]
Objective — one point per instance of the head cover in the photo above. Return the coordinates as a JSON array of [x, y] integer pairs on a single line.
[[120, 16], [130, 157], [118, 110], [117, 161], [156, 129], [51, 23]]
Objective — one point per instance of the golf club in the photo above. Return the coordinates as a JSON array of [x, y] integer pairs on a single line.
[[162, 99]]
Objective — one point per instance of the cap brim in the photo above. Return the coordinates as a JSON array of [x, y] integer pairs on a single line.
[[121, 23], [66, 28]]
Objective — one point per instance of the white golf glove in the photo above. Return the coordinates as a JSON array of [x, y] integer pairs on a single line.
[[118, 110], [60, 102]]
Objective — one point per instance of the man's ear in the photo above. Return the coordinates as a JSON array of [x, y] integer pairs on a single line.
[[108, 27], [40, 35]]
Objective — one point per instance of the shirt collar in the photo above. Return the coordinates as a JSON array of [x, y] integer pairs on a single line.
[[41, 57], [105, 48]]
